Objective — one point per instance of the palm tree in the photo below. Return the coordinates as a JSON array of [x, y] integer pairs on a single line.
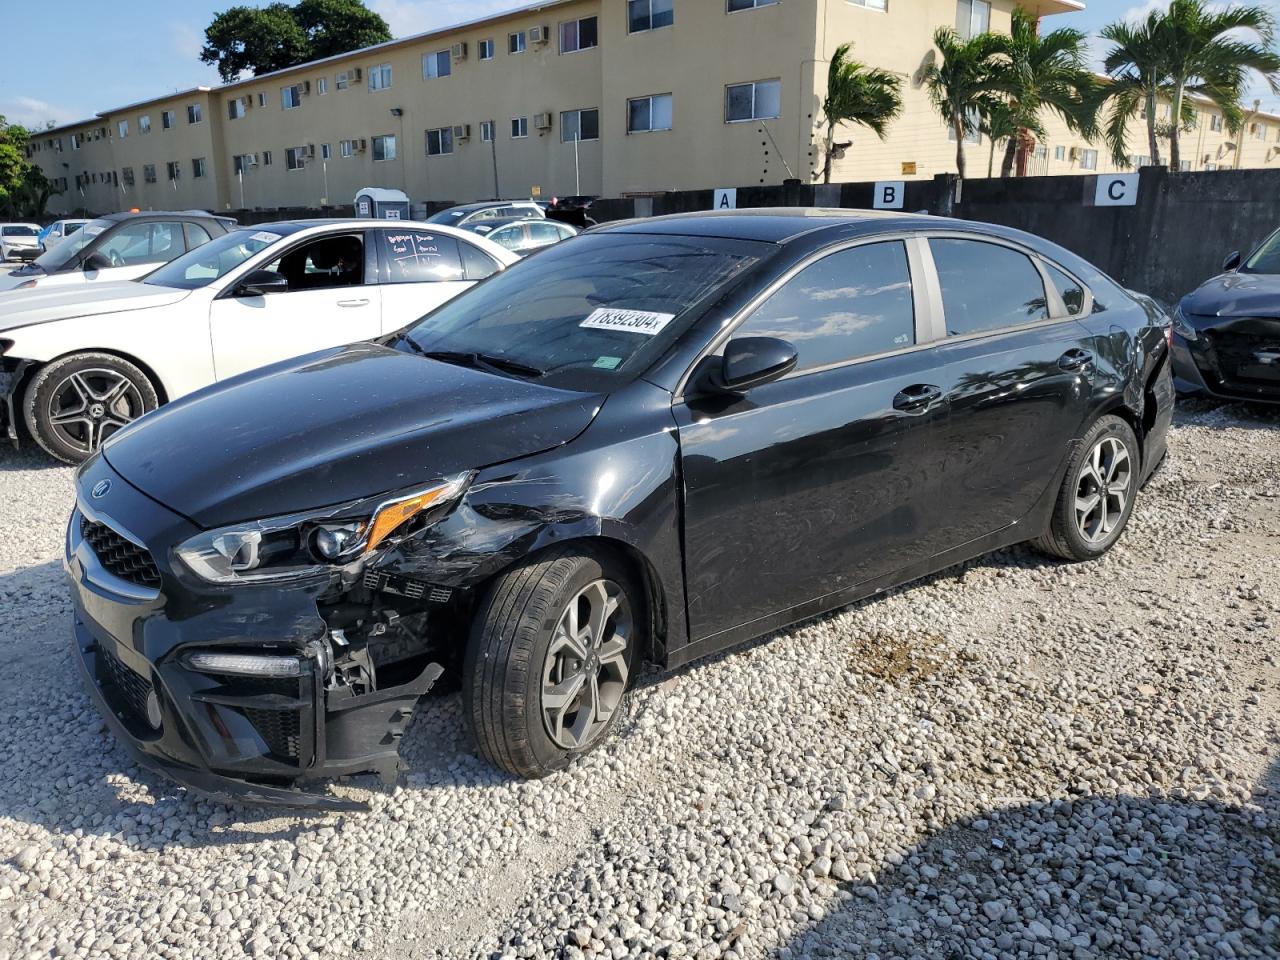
[[964, 87], [1211, 53], [998, 125], [857, 94], [1139, 77], [1045, 72]]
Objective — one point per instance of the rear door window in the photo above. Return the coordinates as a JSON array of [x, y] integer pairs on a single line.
[[850, 304], [986, 286], [139, 243], [419, 256]]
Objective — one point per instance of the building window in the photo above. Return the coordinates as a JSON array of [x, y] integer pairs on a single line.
[[1259, 131], [579, 125], [380, 77], [174, 170], [1059, 153], [235, 109], [972, 134], [578, 35], [1215, 122], [326, 151], [341, 80], [266, 158], [291, 96], [1184, 166], [197, 168], [646, 114], [436, 65], [519, 128], [167, 119], [122, 128], [516, 42], [346, 148], [486, 131], [972, 17], [144, 123], [645, 15], [241, 162], [262, 99], [871, 4], [1211, 166], [735, 5], [1088, 159], [322, 86], [149, 173], [384, 148], [295, 158], [761, 100], [439, 142], [1041, 152], [195, 113], [126, 175], [486, 50], [1138, 161]]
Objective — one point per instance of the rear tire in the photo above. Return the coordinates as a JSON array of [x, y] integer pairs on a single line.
[[72, 405], [550, 658], [1097, 494]]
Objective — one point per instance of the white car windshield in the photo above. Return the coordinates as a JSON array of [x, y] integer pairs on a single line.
[[57, 257], [213, 260]]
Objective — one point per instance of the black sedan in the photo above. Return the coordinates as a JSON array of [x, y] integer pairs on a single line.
[[1227, 331], [665, 438]]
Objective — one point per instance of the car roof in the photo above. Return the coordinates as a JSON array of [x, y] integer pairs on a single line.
[[488, 226], [767, 224], [484, 204], [161, 214]]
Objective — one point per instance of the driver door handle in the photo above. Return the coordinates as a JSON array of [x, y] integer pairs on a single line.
[[1075, 359], [916, 398], [353, 303]]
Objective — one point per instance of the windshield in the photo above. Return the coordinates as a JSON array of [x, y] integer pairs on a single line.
[[589, 314], [55, 258], [213, 260], [448, 216], [1266, 259], [19, 231]]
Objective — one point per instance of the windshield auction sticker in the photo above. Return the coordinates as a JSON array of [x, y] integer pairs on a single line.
[[262, 236], [627, 321]]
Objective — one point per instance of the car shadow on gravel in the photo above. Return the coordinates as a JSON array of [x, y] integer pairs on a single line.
[[1177, 874], [27, 457], [1237, 415]]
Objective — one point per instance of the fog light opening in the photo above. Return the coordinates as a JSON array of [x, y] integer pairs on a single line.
[[154, 716]]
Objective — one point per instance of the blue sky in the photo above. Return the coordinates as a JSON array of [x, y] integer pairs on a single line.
[[154, 47]]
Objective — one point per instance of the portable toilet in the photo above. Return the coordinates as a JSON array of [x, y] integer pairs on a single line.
[[382, 204]]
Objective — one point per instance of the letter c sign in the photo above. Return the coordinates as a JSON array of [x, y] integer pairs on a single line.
[[1116, 190]]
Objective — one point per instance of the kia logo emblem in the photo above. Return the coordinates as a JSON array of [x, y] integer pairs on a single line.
[[101, 489]]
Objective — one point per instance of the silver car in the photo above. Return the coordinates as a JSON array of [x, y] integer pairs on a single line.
[[18, 241]]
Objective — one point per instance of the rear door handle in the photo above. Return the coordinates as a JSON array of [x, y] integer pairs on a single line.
[[353, 303], [916, 398], [1075, 359]]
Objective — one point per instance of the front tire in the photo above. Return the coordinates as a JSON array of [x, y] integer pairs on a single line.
[[72, 405], [1097, 494], [551, 654]]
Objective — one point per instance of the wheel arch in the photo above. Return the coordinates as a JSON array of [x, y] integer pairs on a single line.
[[162, 391]]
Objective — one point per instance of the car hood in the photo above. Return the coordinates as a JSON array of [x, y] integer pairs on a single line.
[[25, 308], [1236, 295], [336, 426]]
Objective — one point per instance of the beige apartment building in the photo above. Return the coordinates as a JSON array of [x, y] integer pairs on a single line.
[[606, 97]]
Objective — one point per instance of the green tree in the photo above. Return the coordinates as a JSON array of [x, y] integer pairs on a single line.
[[260, 40], [1139, 78], [998, 125], [1042, 72], [857, 94], [967, 84], [13, 160]]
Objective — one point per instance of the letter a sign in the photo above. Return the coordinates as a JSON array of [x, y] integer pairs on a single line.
[[1116, 190], [889, 195], [725, 199]]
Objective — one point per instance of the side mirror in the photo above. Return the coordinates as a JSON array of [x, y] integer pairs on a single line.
[[260, 283], [95, 262], [1232, 261], [751, 361]]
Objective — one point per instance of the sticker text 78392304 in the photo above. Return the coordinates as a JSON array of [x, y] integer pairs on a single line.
[[627, 321]]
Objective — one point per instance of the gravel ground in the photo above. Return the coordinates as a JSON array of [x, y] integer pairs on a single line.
[[1016, 758]]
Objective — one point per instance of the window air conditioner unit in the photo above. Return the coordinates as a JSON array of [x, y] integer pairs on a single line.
[[251, 160], [539, 35], [246, 102], [309, 151], [306, 86], [542, 121], [462, 132], [360, 145], [357, 73], [1075, 153], [460, 50]]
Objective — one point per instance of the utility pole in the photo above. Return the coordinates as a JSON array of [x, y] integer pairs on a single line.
[[493, 149], [577, 169]]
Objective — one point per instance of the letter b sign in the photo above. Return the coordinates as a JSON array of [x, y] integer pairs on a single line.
[[889, 195]]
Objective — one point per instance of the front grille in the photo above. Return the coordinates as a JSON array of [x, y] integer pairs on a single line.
[[120, 557], [125, 689], [280, 730], [1240, 358]]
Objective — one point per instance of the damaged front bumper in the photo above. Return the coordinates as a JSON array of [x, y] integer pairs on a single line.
[[326, 708]]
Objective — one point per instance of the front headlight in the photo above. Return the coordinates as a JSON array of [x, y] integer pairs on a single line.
[[301, 545], [1182, 325]]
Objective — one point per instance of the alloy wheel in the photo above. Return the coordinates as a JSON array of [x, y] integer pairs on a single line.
[[90, 405], [584, 674], [1102, 491]]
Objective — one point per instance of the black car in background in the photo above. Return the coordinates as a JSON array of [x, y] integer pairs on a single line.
[[1227, 331], [662, 439]]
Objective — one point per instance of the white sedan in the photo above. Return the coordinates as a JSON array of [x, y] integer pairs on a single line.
[[78, 364]]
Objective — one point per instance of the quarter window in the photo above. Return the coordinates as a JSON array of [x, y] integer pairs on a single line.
[[439, 64], [579, 125], [986, 286], [516, 42], [1069, 290], [440, 142], [850, 304], [417, 256], [645, 15], [645, 114], [384, 148], [380, 77], [760, 100], [580, 34]]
